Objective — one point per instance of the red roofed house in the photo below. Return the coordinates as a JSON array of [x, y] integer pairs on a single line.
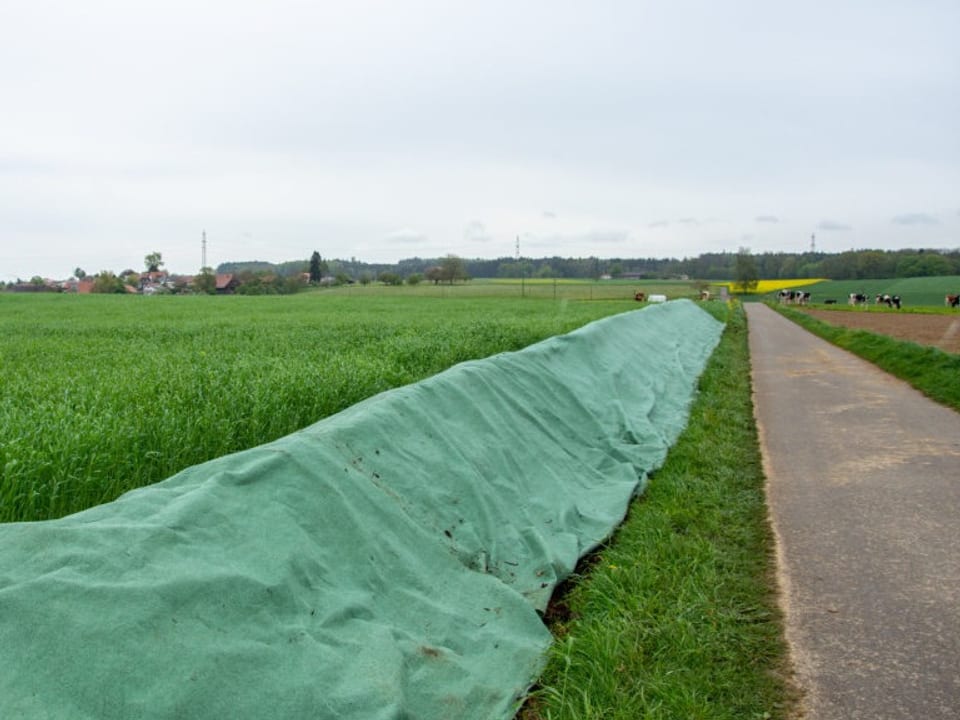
[[227, 283]]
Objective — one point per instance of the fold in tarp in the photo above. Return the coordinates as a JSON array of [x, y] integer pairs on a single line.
[[386, 562]]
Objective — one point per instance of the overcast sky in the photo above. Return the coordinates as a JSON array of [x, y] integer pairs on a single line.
[[385, 130]]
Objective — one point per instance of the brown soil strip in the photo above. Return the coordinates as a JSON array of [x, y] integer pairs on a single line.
[[942, 331]]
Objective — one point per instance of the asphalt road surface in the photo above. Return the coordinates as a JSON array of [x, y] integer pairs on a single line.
[[863, 483]]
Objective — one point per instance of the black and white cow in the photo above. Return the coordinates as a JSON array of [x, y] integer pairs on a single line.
[[857, 299], [952, 301], [789, 297]]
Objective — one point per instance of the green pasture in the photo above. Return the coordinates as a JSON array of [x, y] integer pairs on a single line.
[[917, 292]]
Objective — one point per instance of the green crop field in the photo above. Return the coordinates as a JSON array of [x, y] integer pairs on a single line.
[[917, 292], [102, 394], [543, 288]]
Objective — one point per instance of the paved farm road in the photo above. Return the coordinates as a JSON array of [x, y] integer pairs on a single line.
[[864, 492]]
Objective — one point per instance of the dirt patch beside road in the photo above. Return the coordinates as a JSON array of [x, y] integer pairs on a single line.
[[942, 331]]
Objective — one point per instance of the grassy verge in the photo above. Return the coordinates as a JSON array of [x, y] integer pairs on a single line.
[[677, 616], [930, 370]]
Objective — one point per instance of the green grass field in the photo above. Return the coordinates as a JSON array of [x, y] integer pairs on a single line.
[[537, 288], [102, 394]]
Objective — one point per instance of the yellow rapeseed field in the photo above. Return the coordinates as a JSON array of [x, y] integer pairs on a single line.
[[767, 286]]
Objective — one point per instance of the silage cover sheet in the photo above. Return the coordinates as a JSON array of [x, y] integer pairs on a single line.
[[387, 562]]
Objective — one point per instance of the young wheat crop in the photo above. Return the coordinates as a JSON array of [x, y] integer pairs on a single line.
[[99, 395]]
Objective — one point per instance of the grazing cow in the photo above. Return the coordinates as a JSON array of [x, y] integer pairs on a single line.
[[640, 296], [952, 301], [889, 300], [789, 297], [857, 299]]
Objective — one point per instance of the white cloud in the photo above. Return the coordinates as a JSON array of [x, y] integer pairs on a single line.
[[405, 236], [831, 226], [915, 219], [591, 242], [476, 232]]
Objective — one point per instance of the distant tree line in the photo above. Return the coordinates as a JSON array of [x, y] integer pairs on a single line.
[[849, 265], [266, 277], [448, 270]]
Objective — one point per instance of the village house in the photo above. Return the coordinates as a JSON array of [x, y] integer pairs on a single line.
[[227, 283], [154, 281]]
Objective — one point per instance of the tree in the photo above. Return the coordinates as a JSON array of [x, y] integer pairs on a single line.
[[747, 278], [290, 285], [414, 279], [544, 271], [153, 261], [788, 269], [874, 264], [452, 269], [79, 273], [390, 278], [318, 267], [106, 282], [205, 282], [923, 265]]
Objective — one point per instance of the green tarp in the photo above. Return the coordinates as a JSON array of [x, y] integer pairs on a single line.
[[387, 562]]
